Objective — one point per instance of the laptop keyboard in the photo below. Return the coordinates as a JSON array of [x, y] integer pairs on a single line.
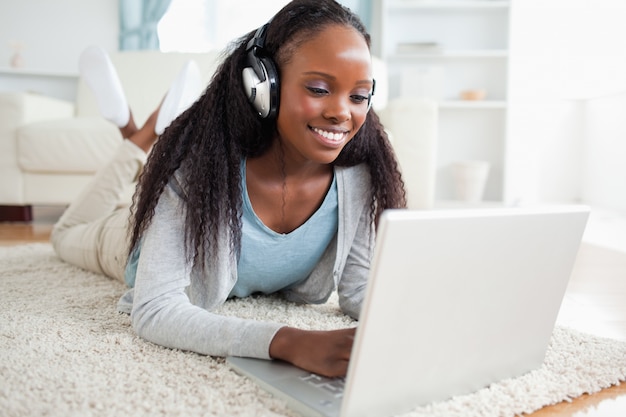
[[333, 386]]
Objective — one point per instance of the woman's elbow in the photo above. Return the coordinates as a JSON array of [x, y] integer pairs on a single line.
[[350, 307]]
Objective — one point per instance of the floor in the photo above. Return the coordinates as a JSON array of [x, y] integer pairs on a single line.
[[595, 301]]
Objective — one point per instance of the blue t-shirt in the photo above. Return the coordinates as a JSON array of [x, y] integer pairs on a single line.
[[130, 273], [271, 261]]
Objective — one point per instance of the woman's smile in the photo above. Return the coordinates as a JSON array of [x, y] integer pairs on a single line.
[[332, 138]]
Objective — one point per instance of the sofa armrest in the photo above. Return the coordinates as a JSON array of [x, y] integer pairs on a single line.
[[413, 127], [18, 109], [23, 108]]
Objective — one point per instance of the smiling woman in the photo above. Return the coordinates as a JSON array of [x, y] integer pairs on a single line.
[[245, 178], [273, 181]]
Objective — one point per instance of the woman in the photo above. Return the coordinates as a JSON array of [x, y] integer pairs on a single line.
[[270, 182]]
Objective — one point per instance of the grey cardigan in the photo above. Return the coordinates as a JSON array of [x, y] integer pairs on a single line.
[[172, 300]]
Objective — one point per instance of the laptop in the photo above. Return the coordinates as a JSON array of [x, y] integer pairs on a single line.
[[456, 300]]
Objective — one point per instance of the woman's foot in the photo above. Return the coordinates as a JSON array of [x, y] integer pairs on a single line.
[[130, 129], [145, 137], [100, 75], [183, 92]]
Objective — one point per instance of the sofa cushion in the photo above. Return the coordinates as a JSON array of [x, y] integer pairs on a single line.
[[77, 145]]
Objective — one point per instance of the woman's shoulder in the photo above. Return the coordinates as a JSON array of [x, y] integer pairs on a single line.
[[354, 173], [179, 181], [355, 181]]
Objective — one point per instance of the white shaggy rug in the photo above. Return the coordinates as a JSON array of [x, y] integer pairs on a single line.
[[65, 351]]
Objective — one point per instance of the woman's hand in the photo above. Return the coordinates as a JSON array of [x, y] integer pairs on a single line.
[[325, 353]]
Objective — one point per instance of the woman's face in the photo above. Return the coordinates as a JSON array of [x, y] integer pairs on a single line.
[[324, 95]]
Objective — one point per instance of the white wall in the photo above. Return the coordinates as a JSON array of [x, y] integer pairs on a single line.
[[604, 165], [567, 75], [54, 32], [567, 58]]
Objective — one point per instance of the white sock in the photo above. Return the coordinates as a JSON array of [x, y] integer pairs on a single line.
[[183, 92], [100, 75]]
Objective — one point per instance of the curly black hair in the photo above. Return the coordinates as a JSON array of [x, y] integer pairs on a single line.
[[210, 139]]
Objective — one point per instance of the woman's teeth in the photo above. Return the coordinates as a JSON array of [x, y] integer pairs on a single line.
[[329, 135]]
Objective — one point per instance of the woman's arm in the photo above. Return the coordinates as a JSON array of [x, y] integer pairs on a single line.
[[328, 353], [353, 281], [357, 242], [163, 311]]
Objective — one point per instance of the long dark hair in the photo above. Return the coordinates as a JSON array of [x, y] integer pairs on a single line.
[[209, 140]]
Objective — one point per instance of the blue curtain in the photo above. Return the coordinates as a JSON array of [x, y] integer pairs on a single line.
[[138, 23], [365, 12]]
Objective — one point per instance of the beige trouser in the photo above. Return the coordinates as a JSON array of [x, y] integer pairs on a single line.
[[92, 233]]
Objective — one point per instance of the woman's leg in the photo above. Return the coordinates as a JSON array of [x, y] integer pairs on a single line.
[[97, 70], [92, 233], [184, 90]]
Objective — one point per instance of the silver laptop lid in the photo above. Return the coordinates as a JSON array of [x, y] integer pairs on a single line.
[[458, 299]]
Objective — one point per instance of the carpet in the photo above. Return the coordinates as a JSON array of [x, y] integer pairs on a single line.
[[66, 351]]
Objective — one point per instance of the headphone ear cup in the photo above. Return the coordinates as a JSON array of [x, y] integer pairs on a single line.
[[273, 97], [250, 83], [263, 95]]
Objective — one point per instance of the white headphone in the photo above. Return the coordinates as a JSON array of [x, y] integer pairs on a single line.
[[260, 79]]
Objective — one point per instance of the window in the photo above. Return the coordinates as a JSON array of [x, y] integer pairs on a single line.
[[202, 25]]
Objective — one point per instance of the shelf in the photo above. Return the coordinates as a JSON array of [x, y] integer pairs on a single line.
[[448, 4], [473, 105], [439, 49], [452, 54]]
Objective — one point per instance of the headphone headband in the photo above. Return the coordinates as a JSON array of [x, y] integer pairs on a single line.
[[258, 40], [256, 48]]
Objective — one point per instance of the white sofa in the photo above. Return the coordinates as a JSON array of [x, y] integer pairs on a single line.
[[50, 148]]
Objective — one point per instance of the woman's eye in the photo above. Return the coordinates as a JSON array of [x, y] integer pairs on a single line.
[[357, 98], [317, 91]]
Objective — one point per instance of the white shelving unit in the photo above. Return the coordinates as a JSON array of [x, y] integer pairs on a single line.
[[438, 49]]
